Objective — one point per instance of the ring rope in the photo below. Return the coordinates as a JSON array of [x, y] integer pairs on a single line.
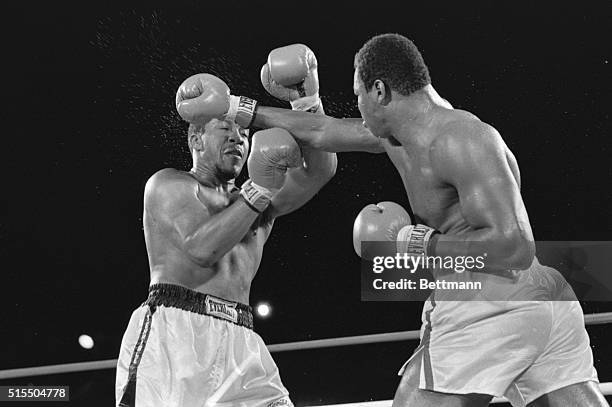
[[589, 319]]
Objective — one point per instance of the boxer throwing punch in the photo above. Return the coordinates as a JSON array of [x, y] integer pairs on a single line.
[[463, 184], [192, 342]]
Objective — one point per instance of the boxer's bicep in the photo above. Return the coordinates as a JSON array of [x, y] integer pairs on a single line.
[[185, 213], [174, 206], [485, 201], [476, 166], [489, 201]]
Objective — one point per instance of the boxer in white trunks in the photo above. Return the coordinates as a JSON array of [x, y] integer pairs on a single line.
[[463, 184], [192, 341]]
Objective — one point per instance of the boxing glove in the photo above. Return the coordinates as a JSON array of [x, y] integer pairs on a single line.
[[202, 97], [273, 151], [381, 222], [291, 74]]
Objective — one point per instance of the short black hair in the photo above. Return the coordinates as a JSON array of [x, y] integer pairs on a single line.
[[395, 60]]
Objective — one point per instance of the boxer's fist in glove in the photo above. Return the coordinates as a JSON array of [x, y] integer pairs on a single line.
[[291, 75], [202, 97], [273, 151], [381, 222]]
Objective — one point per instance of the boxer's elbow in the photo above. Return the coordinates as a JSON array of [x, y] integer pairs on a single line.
[[323, 176], [330, 169], [204, 255], [204, 259], [524, 254], [321, 170], [517, 251]]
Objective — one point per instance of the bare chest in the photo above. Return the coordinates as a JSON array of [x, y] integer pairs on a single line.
[[246, 254], [433, 202]]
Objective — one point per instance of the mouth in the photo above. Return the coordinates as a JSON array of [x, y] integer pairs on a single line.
[[234, 152]]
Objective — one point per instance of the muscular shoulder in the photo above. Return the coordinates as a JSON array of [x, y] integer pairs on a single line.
[[463, 144], [169, 185]]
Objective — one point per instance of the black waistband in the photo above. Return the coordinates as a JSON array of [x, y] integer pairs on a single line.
[[170, 295]]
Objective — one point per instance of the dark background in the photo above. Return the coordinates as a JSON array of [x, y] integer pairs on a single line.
[[90, 116]]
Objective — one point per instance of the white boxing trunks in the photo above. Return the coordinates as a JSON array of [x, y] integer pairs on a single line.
[[517, 349], [184, 348]]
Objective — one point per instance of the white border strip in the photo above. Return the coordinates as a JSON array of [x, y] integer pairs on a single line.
[[606, 389]]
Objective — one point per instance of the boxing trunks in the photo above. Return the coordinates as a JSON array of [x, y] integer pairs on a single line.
[[517, 348], [184, 348]]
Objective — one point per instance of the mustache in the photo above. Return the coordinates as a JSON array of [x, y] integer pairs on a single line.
[[234, 150]]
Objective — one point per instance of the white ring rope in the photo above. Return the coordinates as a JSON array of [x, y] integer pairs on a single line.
[[589, 319]]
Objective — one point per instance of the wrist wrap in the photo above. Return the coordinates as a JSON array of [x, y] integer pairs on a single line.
[[241, 110], [256, 196], [414, 239]]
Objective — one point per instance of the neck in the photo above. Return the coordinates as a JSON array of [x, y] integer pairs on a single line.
[[209, 177], [415, 112], [435, 98]]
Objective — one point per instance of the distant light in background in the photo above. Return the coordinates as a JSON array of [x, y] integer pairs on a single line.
[[86, 341], [263, 310]]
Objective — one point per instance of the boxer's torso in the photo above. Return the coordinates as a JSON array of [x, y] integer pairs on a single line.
[[229, 277], [434, 202]]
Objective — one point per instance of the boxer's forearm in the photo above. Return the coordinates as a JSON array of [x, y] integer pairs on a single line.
[[220, 233], [318, 164], [319, 131], [509, 251], [301, 184], [306, 127]]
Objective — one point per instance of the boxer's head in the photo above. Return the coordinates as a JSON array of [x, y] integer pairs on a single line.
[[220, 147], [386, 65]]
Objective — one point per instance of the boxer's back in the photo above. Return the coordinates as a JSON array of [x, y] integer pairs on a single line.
[[172, 197]]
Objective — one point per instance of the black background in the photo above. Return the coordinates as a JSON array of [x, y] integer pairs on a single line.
[[89, 116]]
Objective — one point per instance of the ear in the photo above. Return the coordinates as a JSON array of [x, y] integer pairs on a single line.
[[383, 93], [195, 142]]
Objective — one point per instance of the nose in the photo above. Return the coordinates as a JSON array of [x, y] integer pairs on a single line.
[[235, 136]]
